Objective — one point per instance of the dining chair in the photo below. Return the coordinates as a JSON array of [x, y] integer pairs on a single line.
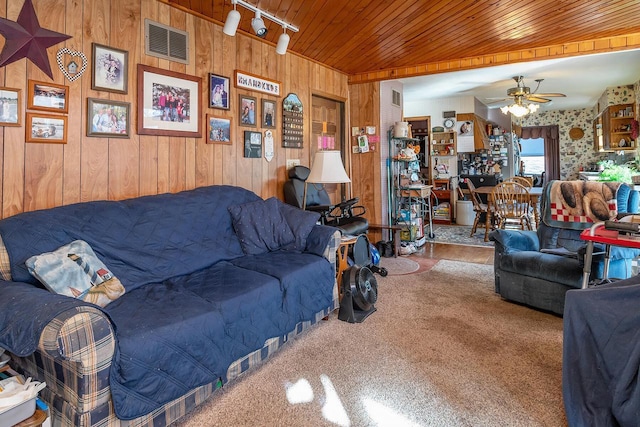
[[512, 205], [526, 182], [479, 208]]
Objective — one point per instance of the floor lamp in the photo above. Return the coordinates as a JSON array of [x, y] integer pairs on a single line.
[[327, 168]]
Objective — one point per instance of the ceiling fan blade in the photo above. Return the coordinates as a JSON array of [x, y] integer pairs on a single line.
[[550, 94], [533, 98]]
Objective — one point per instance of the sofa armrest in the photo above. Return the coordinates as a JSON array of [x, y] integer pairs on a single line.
[[63, 341], [324, 241], [515, 240]]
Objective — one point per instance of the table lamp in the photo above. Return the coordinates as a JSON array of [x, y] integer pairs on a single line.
[[327, 168]]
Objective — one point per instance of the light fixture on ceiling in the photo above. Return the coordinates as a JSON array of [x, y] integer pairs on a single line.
[[257, 24], [233, 19], [283, 42], [519, 109]]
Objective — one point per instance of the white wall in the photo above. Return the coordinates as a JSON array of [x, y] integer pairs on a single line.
[[389, 114], [435, 107]]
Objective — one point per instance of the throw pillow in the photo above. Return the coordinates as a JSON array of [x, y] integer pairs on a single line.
[[301, 223], [260, 226], [74, 270]]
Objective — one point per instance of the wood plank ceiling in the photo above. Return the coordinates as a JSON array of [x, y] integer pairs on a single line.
[[367, 36]]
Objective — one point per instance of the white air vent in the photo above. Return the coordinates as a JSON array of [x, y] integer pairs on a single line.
[[395, 98], [166, 42]]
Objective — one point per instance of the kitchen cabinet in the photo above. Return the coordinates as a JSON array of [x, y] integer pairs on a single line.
[[612, 128], [480, 136]]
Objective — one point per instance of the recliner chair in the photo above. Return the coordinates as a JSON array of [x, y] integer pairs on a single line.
[[346, 216]]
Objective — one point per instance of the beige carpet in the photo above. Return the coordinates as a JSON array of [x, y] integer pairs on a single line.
[[399, 265], [442, 350]]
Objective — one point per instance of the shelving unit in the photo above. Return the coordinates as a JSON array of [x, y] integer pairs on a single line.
[[612, 128], [443, 210], [409, 198]]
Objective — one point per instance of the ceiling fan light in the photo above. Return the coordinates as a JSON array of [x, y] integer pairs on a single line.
[[533, 108], [231, 24]]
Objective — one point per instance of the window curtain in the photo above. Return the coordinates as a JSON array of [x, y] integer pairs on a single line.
[[551, 137]]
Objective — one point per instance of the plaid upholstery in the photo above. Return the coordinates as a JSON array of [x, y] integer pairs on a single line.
[[5, 264], [74, 358]]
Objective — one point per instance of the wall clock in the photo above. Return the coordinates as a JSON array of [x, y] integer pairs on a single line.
[[449, 123]]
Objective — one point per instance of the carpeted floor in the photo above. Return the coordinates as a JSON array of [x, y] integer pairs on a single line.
[[458, 234], [442, 350]]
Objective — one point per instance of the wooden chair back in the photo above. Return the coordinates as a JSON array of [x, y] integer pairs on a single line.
[[525, 182], [511, 202]]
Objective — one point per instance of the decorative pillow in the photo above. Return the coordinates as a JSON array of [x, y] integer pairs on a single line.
[[74, 270], [260, 226], [301, 223]]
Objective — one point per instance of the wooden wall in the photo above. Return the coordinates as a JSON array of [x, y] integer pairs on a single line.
[[37, 175], [365, 167]]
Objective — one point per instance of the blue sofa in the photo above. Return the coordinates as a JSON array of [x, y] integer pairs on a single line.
[[528, 272], [216, 279]]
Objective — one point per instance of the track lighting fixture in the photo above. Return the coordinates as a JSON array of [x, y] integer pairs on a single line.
[[257, 24], [283, 42], [231, 24]]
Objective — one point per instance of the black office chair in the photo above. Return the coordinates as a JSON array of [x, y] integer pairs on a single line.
[[345, 215]]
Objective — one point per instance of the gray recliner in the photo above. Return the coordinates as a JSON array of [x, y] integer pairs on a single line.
[[529, 270]]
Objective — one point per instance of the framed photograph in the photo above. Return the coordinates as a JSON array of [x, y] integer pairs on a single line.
[[218, 130], [107, 118], [218, 92], [268, 114], [168, 103], [247, 110], [9, 106], [252, 144], [110, 69], [46, 128], [48, 97]]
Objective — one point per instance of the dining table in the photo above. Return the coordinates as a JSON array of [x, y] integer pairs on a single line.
[[534, 196]]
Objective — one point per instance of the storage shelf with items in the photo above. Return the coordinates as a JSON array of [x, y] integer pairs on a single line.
[[613, 128], [442, 211], [443, 155], [409, 197]]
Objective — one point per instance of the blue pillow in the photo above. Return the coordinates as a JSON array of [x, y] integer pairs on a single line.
[[260, 226], [301, 223]]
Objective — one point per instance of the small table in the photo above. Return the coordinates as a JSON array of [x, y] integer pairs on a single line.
[[598, 234]]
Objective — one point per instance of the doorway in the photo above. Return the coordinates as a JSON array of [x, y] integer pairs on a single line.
[[327, 133]]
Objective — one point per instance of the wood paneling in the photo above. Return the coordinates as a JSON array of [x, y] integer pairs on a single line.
[[36, 176], [396, 36]]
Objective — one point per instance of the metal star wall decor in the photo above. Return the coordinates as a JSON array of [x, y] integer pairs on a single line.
[[25, 38]]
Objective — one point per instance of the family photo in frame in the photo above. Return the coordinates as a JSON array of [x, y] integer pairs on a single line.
[[168, 103], [248, 106], [218, 91], [9, 106], [268, 114], [110, 68], [218, 130], [108, 118]]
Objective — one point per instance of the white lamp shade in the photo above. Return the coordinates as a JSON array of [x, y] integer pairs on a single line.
[[283, 43], [231, 24], [327, 168]]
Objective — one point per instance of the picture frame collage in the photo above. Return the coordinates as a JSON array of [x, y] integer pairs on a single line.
[[168, 103]]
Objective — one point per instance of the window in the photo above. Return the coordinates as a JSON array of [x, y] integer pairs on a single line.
[[532, 155]]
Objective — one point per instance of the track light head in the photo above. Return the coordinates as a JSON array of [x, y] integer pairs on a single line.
[[258, 26], [283, 43], [231, 24]]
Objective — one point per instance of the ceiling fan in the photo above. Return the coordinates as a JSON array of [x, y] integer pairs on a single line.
[[522, 93]]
